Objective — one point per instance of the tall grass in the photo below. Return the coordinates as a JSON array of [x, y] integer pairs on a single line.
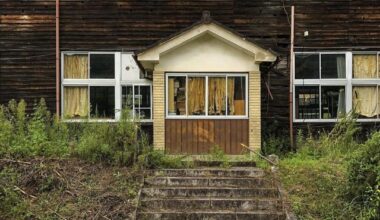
[[42, 134], [335, 175]]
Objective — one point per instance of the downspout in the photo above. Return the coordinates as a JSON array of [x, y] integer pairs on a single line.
[[291, 80], [57, 52]]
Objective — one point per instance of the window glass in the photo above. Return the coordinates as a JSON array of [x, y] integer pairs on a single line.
[[364, 66], [365, 101], [307, 66], [75, 66], [177, 95], [75, 103], [102, 66], [102, 101], [217, 96], [307, 102], [196, 95], [127, 97], [143, 113], [333, 101], [145, 96], [236, 95], [333, 66]]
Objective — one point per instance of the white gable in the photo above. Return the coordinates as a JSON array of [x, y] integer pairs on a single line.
[[209, 43]]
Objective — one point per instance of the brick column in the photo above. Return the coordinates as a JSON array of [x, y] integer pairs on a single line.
[[254, 110], [159, 110]]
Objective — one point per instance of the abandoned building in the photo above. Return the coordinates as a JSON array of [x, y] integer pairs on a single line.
[[195, 73]]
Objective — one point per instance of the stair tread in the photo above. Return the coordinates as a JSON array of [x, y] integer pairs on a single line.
[[211, 168], [208, 188], [208, 177], [211, 198], [194, 211]]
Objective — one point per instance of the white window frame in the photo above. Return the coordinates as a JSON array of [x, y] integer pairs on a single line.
[[125, 84], [92, 83], [349, 82], [206, 75]]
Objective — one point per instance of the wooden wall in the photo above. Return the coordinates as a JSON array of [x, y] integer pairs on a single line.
[[197, 136], [27, 35]]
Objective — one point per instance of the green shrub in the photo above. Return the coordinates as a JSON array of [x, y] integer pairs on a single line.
[[114, 143], [364, 178], [151, 159]]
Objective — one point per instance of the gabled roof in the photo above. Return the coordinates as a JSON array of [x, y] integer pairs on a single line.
[[206, 26]]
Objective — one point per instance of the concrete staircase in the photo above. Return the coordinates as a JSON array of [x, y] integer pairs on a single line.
[[210, 193]]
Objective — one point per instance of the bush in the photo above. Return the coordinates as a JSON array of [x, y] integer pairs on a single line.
[[364, 178], [30, 135], [113, 143]]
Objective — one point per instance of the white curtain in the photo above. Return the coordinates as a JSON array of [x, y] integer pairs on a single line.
[[341, 68]]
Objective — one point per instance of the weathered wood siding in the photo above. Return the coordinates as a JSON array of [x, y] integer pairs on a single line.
[[27, 51], [27, 35], [197, 136]]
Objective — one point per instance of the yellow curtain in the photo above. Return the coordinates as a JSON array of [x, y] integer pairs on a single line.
[[75, 102], [216, 95], [171, 104], [364, 66], [231, 95], [365, 101], [196, 96], [75, 67]]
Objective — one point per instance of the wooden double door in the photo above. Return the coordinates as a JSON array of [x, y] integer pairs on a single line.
[[197, 136]]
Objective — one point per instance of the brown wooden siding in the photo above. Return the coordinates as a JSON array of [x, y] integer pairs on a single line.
[[27, 35], [196, 136]]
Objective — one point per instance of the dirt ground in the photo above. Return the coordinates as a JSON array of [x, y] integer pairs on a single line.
[[66, 189]]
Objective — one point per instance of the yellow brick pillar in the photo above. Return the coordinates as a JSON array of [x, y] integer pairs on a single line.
[[159, 110], [254, 108]]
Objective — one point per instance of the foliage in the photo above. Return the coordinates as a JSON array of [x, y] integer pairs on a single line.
[[114, 143], [41, 188], [333, 175], [275, 139], [41, 134], [151, 159], [217, 154], [364, 178], [30, 135]]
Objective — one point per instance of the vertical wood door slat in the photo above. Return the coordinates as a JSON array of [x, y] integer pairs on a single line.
[[197, 136]]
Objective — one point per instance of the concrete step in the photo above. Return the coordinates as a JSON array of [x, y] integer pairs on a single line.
[[204, 204], [209, 181], [218, 163], [207, 172], [211, 215], [209, 192]]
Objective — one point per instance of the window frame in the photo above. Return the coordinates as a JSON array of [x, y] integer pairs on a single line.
[[93, 83], [349, 82], [125, 84], [206, 75]]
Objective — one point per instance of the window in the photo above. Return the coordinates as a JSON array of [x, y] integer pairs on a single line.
[[211, 95], [329, 84], [92, 87], [138, 99], [319, 86], [89, 85]]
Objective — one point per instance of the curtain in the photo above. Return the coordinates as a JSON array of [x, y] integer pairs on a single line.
[[364, 66], [216, 95], [365, 101], [341, 66], [341, 103], [196, 96], [171, 104], [75, 102], [231, 95], [75, 67]]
